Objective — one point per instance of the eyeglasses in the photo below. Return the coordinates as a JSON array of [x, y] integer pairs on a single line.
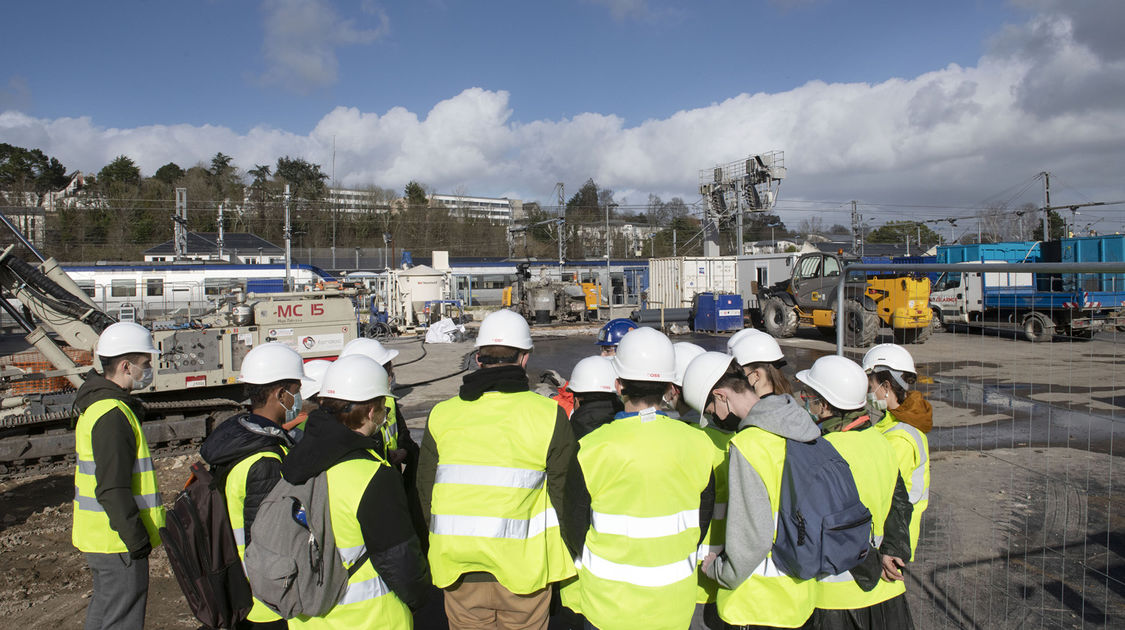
[[809, 398]]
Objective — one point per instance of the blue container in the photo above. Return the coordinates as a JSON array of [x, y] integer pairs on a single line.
[[1109, 248], [715, 313], [1013, 252]]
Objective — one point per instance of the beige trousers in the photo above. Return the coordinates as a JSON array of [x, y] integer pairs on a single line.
[[479, 605]]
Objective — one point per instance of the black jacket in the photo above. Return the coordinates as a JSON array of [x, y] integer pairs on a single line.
[[239, 438], [593, 411], [383, 515], [115, 452]]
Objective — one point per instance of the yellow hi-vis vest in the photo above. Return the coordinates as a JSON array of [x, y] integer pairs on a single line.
[[235, 493], [913, 451], [768, 597], [91, 532], [875, 470], [490, 509], [716, 533], [368, 602], [645, 473], [389, 429]]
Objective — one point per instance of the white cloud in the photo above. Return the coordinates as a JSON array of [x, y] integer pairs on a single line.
[[953, 136], [301, 38]]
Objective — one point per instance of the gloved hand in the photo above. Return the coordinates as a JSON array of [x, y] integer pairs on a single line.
[[397, 456], [552, 377], [141, 552]]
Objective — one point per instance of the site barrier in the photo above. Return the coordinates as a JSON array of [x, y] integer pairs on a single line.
[[1026, 520]]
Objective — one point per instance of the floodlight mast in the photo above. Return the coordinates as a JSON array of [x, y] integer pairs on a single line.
[[731, 190]]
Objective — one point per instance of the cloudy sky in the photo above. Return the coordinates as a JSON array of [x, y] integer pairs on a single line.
[[916, 109]]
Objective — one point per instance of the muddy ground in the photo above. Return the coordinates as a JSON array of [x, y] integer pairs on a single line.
[[1022, 528]]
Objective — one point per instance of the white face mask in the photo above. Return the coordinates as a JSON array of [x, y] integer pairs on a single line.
[[144, 381], [876, 403], [292, 413]]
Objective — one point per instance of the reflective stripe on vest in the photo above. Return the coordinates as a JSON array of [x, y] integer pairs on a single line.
[[874, 467], [490, 509], [665, 575], [768, 597], [492, 526], [389, 429], [919, 488], [91, 531], [645, 473]]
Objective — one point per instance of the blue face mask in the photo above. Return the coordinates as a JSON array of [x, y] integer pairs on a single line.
[[292, 413]]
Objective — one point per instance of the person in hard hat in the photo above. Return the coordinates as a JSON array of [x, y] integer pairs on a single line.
[[400, 448], [611, 334], [685, 352], [118, 511], [366, 501], [751, 591], [639, 500], [761, 359], [897, 367], [593, 383], [890, 376], [491, 476], [245, 452], [836, 395]]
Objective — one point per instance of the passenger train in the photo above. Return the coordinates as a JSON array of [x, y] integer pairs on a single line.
[[153, 291]]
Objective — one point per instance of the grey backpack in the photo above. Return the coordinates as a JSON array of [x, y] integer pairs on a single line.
[[292, 562]]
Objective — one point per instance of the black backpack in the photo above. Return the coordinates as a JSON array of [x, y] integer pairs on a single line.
[[822, 526], [201, 549]]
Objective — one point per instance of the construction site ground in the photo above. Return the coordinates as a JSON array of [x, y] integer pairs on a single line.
[[978, 384]]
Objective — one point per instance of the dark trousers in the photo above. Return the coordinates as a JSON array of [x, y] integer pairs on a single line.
[[120, 592]]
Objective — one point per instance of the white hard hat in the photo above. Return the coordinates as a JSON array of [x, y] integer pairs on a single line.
[[504, 328], [838, 380], [739, 336], [755, 347], [593, 374], [890, 356], [270, 363], [355, 378], [645, 354], [371, 349], [125, 338], [685, 352], [314, 374], [702, 374]]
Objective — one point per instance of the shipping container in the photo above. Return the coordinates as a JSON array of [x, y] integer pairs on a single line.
[[674, 282], [761, 271], [1013, 252]]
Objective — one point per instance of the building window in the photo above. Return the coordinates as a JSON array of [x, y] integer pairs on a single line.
[[154, 287], [123, 288]]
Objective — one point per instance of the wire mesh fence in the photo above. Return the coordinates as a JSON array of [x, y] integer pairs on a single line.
[[1023, 527]]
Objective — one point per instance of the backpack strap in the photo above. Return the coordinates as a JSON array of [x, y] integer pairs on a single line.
[[363, 557]]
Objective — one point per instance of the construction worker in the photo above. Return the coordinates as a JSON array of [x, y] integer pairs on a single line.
[[611, 333], [366, 501], [678, 407], [639, 500], [890, 375], [118, 511], [860, 599], [761, 359], [245, 452], [400, 449], [593, 383], [753, 591], [491, 476]]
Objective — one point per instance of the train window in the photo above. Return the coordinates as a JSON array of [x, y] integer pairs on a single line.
[[154, 287], [87, 287], [123, 288], [214, 286]]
